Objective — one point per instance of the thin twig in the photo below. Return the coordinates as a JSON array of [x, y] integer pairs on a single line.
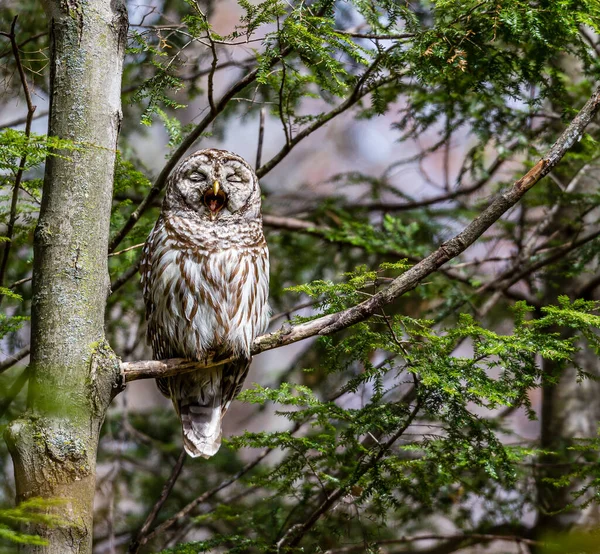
[[26, 41], [21, 120], [134, 247], [20, 282], [213, 65], [375, 36], [463, 191], [204, 497], [261, 137], [359, 93], [137, 543]]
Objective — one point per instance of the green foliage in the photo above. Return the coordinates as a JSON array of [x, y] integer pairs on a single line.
[[15, 145], [154, 91], [32, 511]]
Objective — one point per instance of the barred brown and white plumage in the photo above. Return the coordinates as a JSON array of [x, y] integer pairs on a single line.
[[205, 278]]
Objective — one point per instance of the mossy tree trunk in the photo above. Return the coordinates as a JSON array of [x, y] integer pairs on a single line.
[[72, 370]]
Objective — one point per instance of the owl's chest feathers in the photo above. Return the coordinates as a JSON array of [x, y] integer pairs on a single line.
[[207, 237], [206, 298]]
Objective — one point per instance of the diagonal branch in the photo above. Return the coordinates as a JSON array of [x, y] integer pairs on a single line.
[[332, 323], [14, 358], [136, 544]]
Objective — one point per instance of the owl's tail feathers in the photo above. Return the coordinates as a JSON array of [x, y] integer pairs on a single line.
[[201, 425]]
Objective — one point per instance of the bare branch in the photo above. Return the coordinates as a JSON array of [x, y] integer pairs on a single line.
[[134, 247], [26, 41], [125, 276], [375, 36], [261, 137], [359, 92], [463, 191], [150, 369], [21, 120], [136, 544], [14, 359], [204, 497]]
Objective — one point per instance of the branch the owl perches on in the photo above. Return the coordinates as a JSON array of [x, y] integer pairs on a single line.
[[331, 323]]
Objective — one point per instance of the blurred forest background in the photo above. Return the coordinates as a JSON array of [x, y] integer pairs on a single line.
[[461, 418]]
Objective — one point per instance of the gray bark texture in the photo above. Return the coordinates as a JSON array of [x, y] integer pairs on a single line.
[[73, 371]]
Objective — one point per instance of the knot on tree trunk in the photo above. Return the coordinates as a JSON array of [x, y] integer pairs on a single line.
[[105, 380], [46, 454]]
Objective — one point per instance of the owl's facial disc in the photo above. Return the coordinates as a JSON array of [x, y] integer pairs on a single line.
[[214, 199]]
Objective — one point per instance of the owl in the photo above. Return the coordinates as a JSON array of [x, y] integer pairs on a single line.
[[205, 279]]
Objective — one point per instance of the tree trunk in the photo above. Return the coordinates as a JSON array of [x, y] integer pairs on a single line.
[[570, 411], [72, 370]]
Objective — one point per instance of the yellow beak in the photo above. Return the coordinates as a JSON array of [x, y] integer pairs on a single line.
[[216, 187]]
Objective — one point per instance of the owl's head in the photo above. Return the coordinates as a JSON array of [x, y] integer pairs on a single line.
[[213, 185]]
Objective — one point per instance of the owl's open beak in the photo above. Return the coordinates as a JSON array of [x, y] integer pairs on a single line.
[[214, 199]]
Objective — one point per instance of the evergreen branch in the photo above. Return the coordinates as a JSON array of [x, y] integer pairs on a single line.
[[200, 73], [19, 176], [332, 323], [297, 532], [137, 543]]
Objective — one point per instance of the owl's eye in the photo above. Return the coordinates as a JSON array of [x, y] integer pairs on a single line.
[[234, 179], [197, 177]]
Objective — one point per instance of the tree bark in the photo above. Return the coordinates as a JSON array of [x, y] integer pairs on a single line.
[[73, 371], [570, 412]]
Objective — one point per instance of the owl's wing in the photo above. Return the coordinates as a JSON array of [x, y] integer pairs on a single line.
[[146, 268], [153, 249]]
